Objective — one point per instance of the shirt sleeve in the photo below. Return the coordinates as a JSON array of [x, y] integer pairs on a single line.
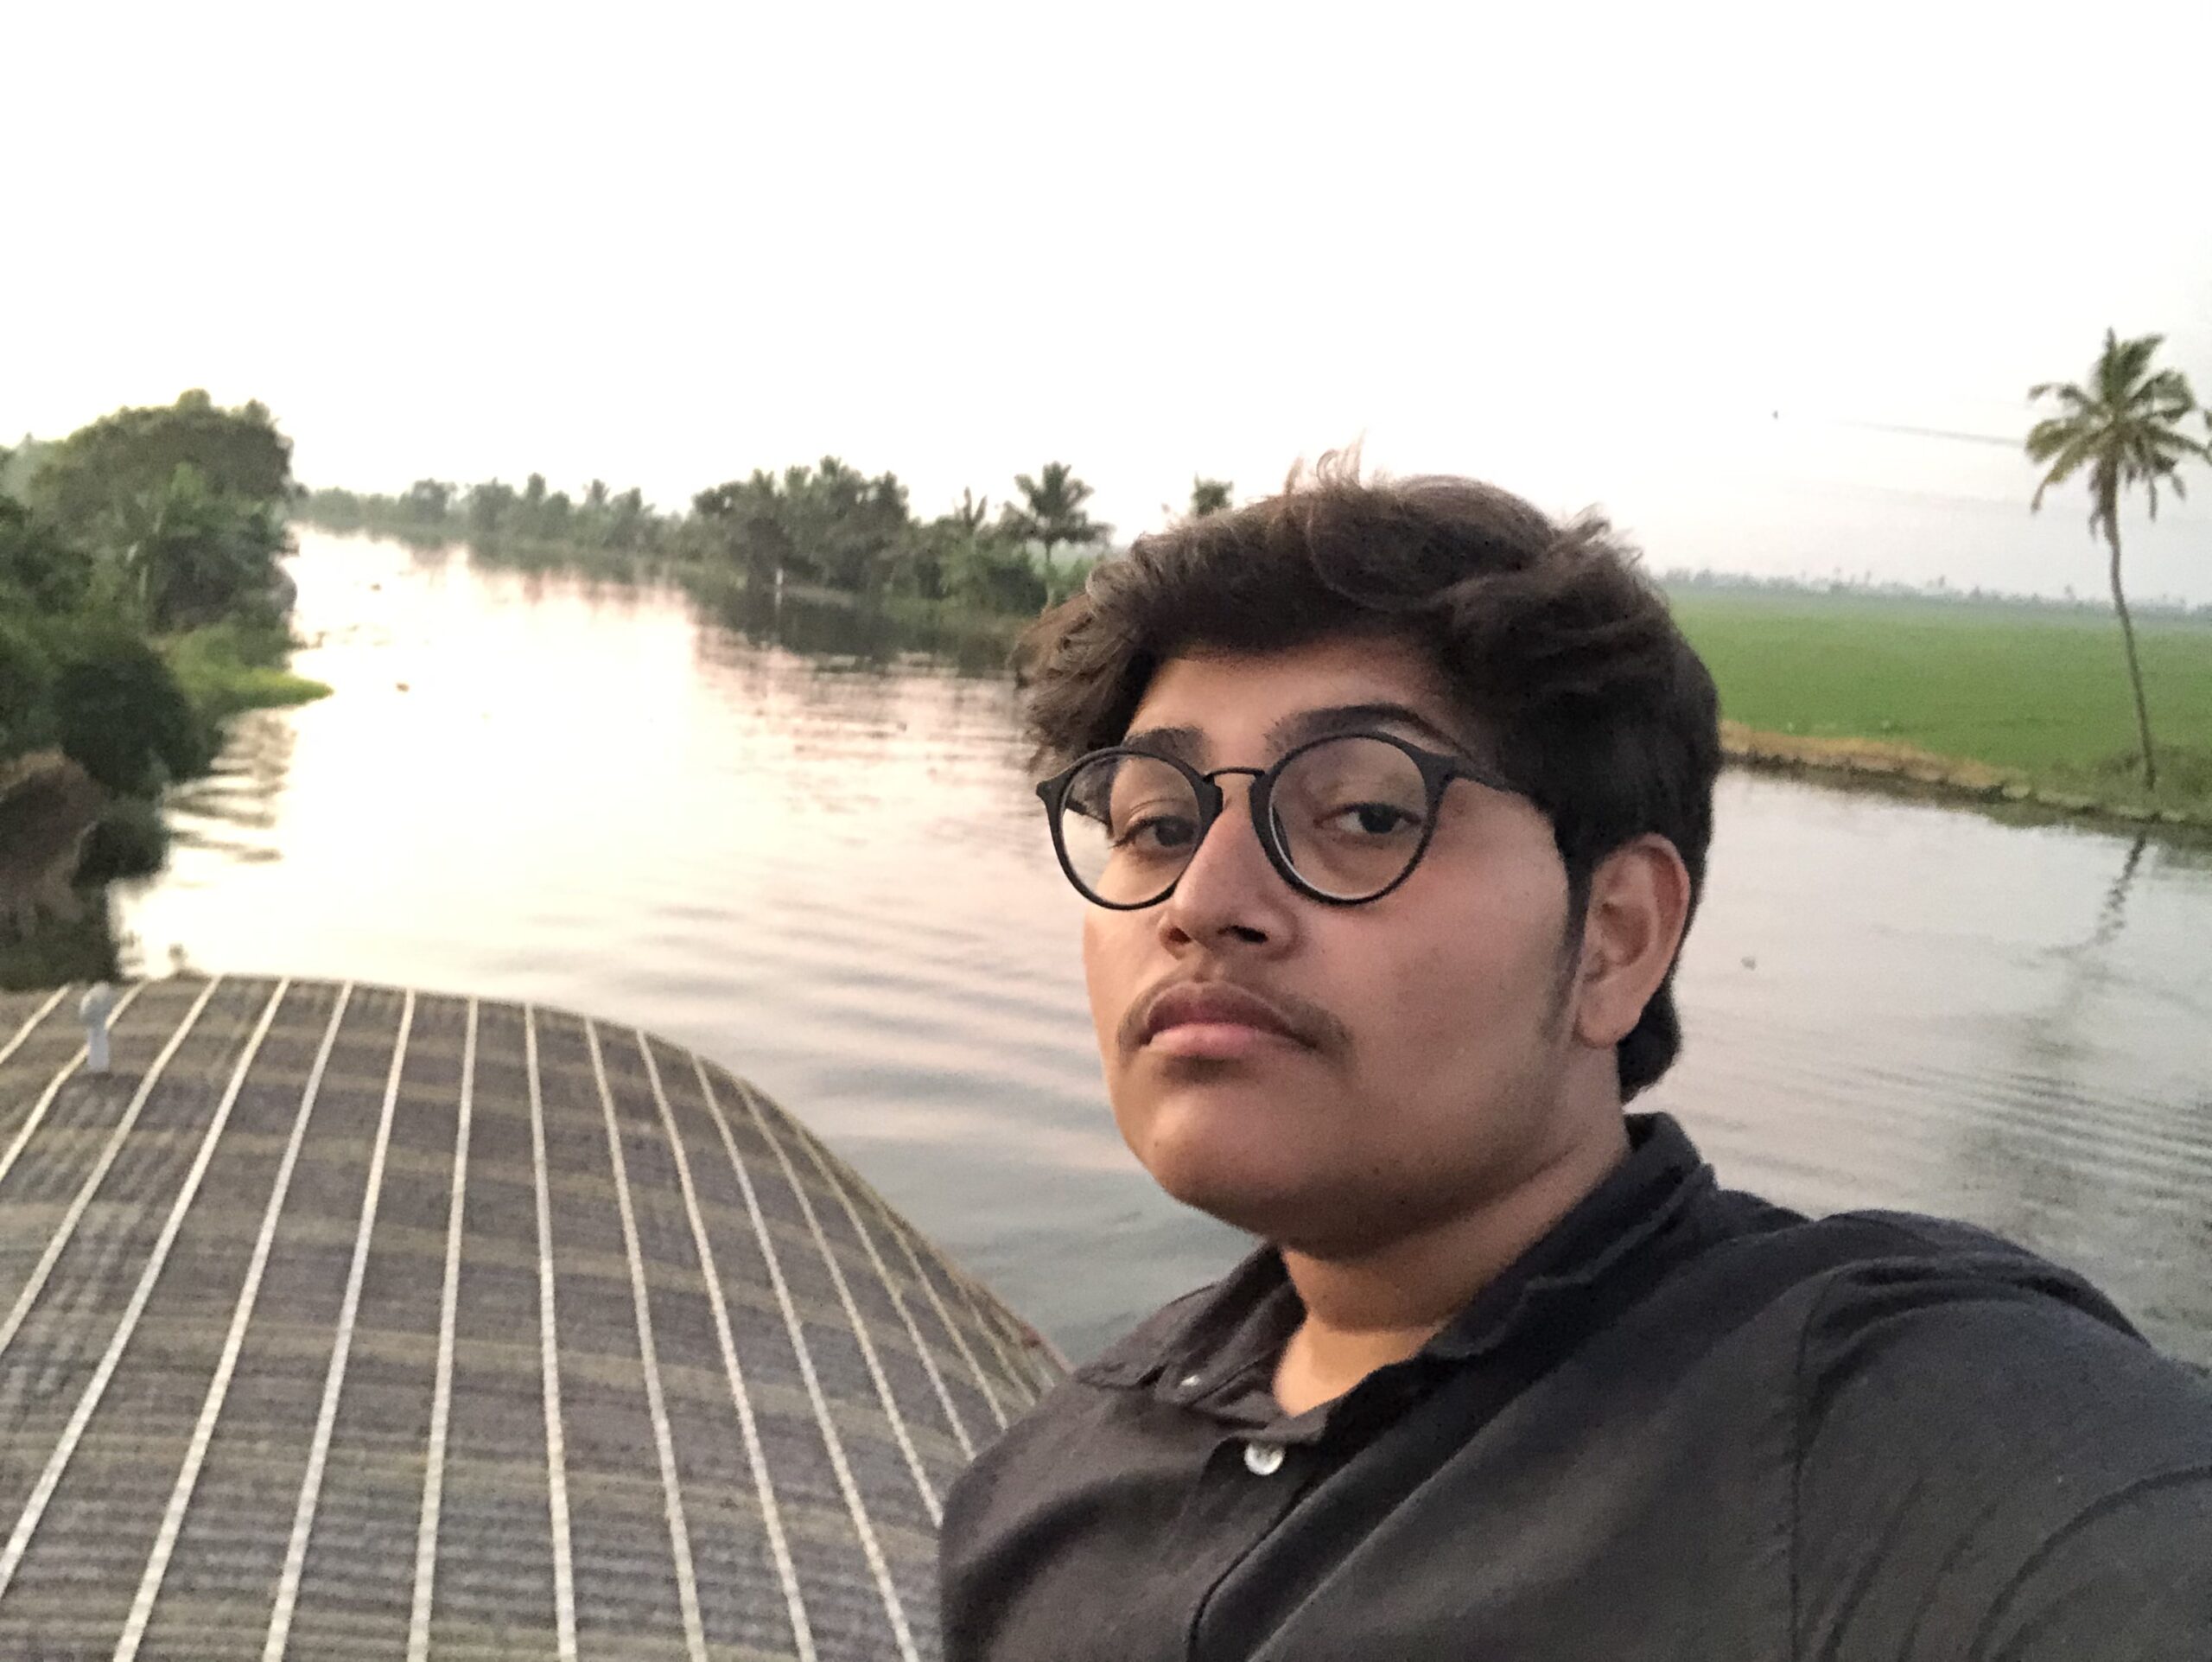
[[1990, 1468], [2129, 1581]]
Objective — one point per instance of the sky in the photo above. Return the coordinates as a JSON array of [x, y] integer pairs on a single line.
[[1687, 265]]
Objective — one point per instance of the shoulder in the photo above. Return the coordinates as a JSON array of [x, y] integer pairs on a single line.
[[1969, 1416], [1938, 1330], [1901, 1289]]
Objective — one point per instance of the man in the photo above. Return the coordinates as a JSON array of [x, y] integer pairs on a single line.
[[1391, 803]]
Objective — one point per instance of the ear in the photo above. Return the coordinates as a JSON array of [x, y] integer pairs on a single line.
[[1632, 926]]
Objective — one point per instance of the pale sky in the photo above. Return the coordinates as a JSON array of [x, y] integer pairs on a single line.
[[1588, 252]]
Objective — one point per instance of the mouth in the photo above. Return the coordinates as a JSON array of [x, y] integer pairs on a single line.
[[1219, 1041], [1213, 1021]]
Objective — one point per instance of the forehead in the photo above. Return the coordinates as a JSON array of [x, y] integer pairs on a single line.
[[1231, 701]]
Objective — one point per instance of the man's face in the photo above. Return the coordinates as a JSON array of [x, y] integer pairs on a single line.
[[1432, 1045]]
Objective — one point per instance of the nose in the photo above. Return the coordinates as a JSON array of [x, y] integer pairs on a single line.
[[1231, 891]]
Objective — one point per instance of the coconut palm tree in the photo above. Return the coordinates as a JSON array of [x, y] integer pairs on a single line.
[[972, 514], [1209, 496], [2125, 429], [1052, 511]]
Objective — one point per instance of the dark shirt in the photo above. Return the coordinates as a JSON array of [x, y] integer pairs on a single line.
[[1685, 1424]]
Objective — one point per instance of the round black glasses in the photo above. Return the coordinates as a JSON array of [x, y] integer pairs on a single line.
[[1345, 819]]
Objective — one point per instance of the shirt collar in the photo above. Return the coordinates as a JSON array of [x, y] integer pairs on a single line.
[[1220, 1331]]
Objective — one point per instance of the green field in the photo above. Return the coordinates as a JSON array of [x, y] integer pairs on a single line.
[[2041, 691]]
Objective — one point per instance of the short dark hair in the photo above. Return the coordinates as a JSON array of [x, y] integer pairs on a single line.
[[1549, 635]]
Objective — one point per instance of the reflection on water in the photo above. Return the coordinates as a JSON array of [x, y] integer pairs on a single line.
[[838, 635], [802, 839], [2113, 915], [232, 810], [1894, 1004]]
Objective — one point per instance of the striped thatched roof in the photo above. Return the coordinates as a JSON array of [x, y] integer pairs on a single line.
[[344, 1322]]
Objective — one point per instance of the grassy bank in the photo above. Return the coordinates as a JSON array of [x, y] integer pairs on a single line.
[[230, 666], [1997, 699]]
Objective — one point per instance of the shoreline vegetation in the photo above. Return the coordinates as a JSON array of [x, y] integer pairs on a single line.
[[1905, 770], [142, 606], [825, 525], [2012, 702]]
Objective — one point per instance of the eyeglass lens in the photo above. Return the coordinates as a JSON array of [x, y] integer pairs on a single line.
[[1348, 816]]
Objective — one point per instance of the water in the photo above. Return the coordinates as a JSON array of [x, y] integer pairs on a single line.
[[820, 862]]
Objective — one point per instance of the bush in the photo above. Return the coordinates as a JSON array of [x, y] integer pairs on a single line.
[[994, 578], [59, 949], [26, 688], [40, 570], [118, 711], [129, 840]]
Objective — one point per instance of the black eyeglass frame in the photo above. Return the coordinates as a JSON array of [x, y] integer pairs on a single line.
[[1437, 771]]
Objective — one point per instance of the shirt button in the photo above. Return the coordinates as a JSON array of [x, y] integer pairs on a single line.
[[1262, 1458]]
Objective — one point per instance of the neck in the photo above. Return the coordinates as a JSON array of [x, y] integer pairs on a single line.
[[1368, 1308]]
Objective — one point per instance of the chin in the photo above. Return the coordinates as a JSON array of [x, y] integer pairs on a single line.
[[1223, 1197], [1218, 1147]]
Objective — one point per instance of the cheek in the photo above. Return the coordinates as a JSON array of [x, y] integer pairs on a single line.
[[1111, 973], [1470, 970]]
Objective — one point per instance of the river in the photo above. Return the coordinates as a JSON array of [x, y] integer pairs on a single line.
[[817, 858]]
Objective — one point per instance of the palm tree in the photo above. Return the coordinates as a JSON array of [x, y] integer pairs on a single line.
[[1209, 496], [971, 513], [188, 553], [1052, 511], [2125, 427]]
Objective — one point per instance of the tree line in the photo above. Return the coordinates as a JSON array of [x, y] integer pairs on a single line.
[[826, 523], [491, 512]]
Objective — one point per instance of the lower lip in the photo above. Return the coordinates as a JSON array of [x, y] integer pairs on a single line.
[[1214, 1041]]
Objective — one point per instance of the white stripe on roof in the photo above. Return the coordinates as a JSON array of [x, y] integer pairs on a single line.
[[870, 1546], [894, 1227], [1018, 1366], [679, 1537], [88, 1401], [433, 1464], [211, 1407], [32, 1120], [548, 1357], [60, 1238], [852, 1315], [883, 1274], [296, 1550], [37, 1015], [717, 1302]]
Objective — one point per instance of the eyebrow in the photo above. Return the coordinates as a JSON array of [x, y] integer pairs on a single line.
[[1186, 744]]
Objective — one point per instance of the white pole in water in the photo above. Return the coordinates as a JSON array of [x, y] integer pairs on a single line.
[[95, 1006]]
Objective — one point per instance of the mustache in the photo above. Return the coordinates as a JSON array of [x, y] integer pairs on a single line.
[[1307, 1021]]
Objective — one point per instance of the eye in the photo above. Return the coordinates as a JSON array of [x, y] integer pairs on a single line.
[[1371, 819], [1159, 833]]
